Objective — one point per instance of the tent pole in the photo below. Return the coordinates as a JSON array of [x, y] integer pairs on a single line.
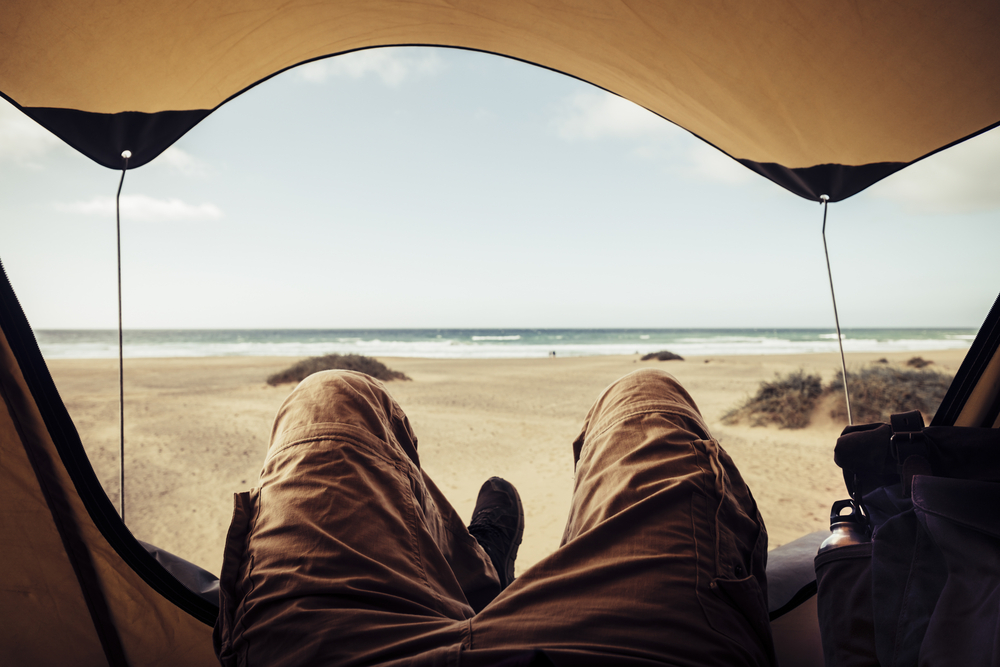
[[824, 199], [121, 348]]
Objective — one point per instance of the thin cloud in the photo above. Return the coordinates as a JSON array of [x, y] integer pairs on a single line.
[[144, 209], [184, 162], [712, 164], [22, 140], [597, 115], [962, 179], [392, 66]]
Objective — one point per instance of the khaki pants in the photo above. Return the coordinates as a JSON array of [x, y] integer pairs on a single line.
[[347, 554]]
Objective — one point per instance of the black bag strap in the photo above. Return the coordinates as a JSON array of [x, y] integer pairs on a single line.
[[909, 447], [907, 422], [874, 455]]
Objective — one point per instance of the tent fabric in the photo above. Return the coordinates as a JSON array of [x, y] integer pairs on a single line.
[[823, 98], [973, 399], [32, 551], [74, 591]]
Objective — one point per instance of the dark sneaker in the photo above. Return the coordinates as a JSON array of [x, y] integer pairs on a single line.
[[497, 524]]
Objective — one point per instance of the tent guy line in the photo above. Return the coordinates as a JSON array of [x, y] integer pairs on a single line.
[[825, 200], [126, 154]]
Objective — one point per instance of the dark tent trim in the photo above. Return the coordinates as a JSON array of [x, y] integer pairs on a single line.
[[982, 351], [103, 137], [67, 441], [837, 181]]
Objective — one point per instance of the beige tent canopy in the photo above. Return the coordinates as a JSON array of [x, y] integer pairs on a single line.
[[820, 97]]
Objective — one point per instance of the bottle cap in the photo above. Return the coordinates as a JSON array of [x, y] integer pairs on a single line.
[[839, 516]]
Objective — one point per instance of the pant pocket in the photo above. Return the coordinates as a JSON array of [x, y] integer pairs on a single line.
[[738, 610], [731, 545]]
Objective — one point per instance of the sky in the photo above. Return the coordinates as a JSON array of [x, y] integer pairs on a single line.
[[436, 188]]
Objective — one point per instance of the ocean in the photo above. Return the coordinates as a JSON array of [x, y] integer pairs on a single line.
[[486, 343]]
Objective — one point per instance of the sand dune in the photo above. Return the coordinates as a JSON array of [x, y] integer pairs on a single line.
[[197, 429]]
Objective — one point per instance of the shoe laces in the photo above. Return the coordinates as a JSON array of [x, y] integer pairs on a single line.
[[488, 529]]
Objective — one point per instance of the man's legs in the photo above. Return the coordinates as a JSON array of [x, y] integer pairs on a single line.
[[346, 553], [663, 555]]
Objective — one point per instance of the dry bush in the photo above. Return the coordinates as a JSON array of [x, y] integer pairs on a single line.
[[878, 392], [349, 362], [918, 362], [662, 355], [787, 401]]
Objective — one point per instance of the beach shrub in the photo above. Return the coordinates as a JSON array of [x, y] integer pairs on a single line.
[[662, 355], [918, 362], [787, 401], [348, 362], [877, 392]]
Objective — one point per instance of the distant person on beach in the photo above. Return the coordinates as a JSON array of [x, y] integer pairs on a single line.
[[348, 554]]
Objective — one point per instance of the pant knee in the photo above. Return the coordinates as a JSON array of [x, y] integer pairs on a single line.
[[646, 386], [340, 401], [650, 378], [339, 383], [644, 390]]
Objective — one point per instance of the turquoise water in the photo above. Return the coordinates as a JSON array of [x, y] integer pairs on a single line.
[[488, 343]]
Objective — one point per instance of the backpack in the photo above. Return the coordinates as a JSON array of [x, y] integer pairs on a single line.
[[924, 588]]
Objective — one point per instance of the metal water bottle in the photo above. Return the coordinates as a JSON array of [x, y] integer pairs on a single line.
[[845, 529]]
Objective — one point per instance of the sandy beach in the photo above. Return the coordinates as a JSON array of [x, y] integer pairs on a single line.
[[197, 431]]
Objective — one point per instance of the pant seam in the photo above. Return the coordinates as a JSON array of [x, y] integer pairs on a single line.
[[652, 408], [466, 643], [706, 492], [249, 577], [411, 511]]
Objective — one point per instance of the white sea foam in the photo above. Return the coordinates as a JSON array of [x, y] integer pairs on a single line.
[[445, 348], [458, 344]]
